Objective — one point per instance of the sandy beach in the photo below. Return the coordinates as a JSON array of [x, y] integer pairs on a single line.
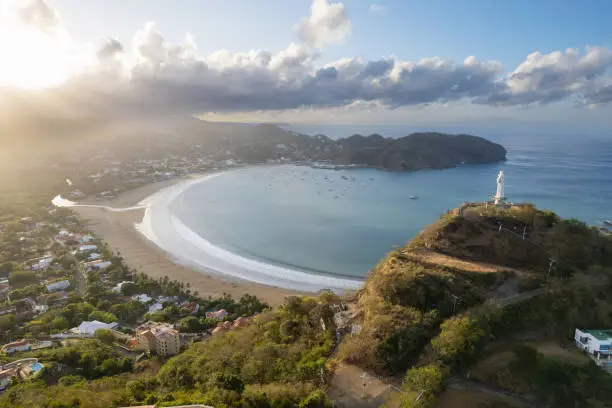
[[117, 229]]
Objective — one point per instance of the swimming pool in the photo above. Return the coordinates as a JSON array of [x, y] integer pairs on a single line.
[[36, 367]]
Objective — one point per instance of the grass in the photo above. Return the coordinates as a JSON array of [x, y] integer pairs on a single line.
[[554, 350], [468, 399]]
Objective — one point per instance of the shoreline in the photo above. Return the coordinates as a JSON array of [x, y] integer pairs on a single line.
[[128, 229]]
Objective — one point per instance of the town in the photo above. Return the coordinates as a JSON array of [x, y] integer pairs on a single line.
[[61, 288]]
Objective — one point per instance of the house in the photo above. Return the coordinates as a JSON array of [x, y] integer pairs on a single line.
[[87, 248], [93, 256], [58, 285], [117, 288], [167, 299], [38, 309], [21, 345], [90, 328], [85, 239], [4, 290], [97, 264], [193, 307], [161, 338], [142, 298], [6, 376], [222, 328], [54, 298], [42, 264], [155, 307], [242, 321], [219, 314]]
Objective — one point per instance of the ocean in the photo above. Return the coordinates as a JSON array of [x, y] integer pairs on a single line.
[[341, 223]]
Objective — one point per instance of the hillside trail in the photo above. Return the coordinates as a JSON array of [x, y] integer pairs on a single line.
[[351, 386], [515, 400]]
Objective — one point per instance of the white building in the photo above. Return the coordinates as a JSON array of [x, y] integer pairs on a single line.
[[87, 248], [85, 239], [90, 328], [142, 298], [117, 288], [41, 309], [97, 264], [155, 307], [59, 285], [21, 345], [598, 345]]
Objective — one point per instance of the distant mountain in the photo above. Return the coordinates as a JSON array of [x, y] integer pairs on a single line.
[[41, 137], [418, 151]]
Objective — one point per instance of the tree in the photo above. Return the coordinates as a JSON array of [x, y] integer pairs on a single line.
[[458, 339], [316, 399], [106, 336], [129, 289], [69, 380], [426, 382], [229, 382], [189, 324], [7, 321], [20, 279], [60, 323], [6, 268], [101, 316]]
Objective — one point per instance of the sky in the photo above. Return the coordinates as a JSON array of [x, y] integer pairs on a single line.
[[321, 61]]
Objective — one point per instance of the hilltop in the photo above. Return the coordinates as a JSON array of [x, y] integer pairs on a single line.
[[480, 276]]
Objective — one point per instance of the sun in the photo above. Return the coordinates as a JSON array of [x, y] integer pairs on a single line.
[[31, 58]]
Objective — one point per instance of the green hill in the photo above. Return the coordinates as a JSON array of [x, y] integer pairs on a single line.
[[478, 276]]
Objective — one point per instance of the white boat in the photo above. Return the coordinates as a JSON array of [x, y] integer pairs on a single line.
[[413, 197]]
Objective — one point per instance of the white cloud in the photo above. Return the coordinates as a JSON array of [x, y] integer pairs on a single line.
[[38, 13], [161, 76], [378, 8], [328, 24]]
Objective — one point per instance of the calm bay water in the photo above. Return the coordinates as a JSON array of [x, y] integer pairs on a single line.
[[343, 222]]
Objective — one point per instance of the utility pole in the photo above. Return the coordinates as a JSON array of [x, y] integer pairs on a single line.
[[524, 232], [550, 265], [364, 376], [455, 300]]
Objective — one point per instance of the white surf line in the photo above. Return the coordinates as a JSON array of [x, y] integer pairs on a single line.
[[188, 248], [59, 201]]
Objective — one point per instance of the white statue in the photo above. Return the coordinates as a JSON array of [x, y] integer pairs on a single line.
[[499, 196]]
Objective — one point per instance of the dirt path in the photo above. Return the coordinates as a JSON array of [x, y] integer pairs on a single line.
[[462, 384], [347, 388]]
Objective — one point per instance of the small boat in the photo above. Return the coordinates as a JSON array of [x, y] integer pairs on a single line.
[[413, 197], [607, 222]]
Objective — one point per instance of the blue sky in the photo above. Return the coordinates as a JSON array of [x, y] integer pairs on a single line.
[[338, 62], [502, 30]]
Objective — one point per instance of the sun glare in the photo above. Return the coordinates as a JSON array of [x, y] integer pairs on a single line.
[[31, 58]]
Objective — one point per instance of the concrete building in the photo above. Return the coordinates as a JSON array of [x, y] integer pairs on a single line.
[[161, 338]]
